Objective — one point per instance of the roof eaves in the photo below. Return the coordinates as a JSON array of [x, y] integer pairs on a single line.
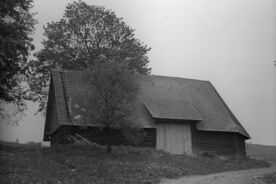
[[243, 132], [181, 78], [46, 135], [179, 119], [60, 99], [66, 93], [173, 118]]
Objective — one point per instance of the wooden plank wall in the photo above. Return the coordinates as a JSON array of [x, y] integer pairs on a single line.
[[240, 146], [53, 116], [220, 143], [100, 136], [60, 135], [174, 138]]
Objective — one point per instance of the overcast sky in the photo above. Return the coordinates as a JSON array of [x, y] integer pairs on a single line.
[[232, 43]]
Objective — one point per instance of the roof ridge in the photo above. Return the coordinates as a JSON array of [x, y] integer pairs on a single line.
[[151, 75], [175, 77]]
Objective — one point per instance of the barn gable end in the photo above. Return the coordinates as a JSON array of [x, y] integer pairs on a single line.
[[52, 121]]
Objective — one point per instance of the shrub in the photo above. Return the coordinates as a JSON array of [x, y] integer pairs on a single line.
[[207, 155]]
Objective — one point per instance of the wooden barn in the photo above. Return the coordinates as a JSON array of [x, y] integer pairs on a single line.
[[179, 116]]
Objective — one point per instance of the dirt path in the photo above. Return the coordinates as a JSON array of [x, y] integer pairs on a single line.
[[233, 177]]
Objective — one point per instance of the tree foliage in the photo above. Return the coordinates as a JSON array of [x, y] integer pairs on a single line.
[[83, 34], [10, 113], [16, 26], [112, 94]]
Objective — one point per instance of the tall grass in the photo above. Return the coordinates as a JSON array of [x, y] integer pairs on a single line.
[[91, 164]]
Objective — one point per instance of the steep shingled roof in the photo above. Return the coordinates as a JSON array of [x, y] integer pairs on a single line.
[[161, 97], [201, 95]]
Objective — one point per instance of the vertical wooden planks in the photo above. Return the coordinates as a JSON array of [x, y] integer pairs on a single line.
[[174, 138]]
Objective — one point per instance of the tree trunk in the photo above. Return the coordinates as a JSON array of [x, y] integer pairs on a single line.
[[108, 148]]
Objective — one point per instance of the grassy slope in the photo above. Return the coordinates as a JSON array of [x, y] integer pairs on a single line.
[[261, 151], [80, 164], [269, 178]]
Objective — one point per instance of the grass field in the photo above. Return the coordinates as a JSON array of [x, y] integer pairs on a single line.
[[90, 164], [269, 178], [264, 152], [261, 152]]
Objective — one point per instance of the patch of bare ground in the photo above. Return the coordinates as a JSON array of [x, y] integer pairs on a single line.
[[252, 176]]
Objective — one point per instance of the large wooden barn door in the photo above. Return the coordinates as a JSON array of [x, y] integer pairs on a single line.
[[174, 138]]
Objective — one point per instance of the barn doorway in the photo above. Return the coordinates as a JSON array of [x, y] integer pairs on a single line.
[[174, 138]]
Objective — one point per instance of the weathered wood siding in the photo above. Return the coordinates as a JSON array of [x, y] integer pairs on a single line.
[[219, 143], [100, 136], [60, 135], [52, 117], [239, 143], [174, 138]]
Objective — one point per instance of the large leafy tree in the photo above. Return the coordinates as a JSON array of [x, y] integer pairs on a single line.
[[112, 93], [16, 26], [82, 35]]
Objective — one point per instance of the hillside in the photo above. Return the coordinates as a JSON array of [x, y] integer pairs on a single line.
[[261, 151]]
